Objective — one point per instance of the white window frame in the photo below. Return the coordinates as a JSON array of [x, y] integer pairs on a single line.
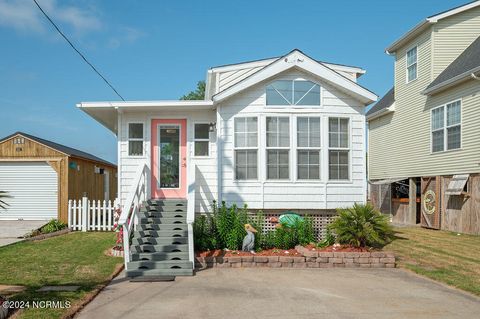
[[304, 148], [245, 148], [348, 149], [445, 128], [195, 139], [135, 139], [409, 65], [289, 148], [293, 87]]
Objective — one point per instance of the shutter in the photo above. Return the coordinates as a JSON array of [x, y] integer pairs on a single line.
[[34, 190]]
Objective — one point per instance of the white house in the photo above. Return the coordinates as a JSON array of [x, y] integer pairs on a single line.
[[275, 134]]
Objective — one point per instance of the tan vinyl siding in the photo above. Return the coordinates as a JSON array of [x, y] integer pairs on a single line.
[[227, 79], [452, 36]]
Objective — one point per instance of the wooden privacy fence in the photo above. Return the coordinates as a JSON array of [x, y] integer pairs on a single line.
[[91, 215]]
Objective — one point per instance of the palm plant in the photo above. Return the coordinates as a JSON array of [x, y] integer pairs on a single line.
[[3, 195], [362, 226]]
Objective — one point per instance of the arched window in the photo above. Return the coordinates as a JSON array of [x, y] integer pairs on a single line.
[[293, 92]]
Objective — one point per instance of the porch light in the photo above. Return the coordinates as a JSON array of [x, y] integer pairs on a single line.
[[212, 127]]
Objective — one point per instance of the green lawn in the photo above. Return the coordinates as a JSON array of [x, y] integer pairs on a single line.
[[72, 259], [451, 258]]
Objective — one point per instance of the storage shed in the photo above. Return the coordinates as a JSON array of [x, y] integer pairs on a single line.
[[41, 176]]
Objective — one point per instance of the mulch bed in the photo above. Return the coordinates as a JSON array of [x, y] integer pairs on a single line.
[[235, 253]]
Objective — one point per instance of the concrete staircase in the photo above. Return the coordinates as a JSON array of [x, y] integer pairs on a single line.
[[160, 242]]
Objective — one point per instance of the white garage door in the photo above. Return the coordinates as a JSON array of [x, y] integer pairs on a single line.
[[33, 187]]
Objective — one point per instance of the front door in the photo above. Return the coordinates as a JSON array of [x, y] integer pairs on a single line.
[[169, 158]]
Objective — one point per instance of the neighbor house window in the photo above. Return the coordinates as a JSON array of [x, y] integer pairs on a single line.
[[201, 139], [135, 139], [278, 147], [338, 152], [308, 147], [446, 127], [411, 64], [246, 148], [293, 92]]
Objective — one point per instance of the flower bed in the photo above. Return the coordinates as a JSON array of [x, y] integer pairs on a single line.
[[303, 258]]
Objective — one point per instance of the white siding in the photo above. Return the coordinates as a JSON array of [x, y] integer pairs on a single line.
[[206, 174], [293, 194], [33, 187]]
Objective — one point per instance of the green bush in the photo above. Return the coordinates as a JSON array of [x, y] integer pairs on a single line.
[[203, 228], [329, 240], [362, 226], [53, 226]]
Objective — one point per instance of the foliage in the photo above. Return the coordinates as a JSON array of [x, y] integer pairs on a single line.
[[198, 94], [204, 232], [53, 226], [287, 237], [3, 203], [329, 240], [230, 223], [362, 226]]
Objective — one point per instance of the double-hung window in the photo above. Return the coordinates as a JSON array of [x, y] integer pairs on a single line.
[[308, 147], [246, 148], [202, 139], [412, 64], [338, 152], [446, 127], [135, 139], [278, 147]]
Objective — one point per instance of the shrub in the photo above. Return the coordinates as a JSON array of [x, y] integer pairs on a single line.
[[53, 226], [329, 240], [204, 233], [362, 226]]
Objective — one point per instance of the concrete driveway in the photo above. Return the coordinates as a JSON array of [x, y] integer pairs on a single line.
[[10, 230], [282, 294]]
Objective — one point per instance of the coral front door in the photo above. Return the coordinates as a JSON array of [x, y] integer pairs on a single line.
[[169, 158]]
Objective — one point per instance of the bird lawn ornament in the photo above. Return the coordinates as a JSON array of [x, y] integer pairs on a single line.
[[249, 240]]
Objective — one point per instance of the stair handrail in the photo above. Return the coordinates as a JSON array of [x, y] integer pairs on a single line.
[[191, 209], [135, 198]]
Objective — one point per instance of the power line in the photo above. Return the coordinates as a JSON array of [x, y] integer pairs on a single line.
[[76, 50]]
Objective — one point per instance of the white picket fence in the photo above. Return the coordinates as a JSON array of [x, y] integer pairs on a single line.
[[91, 215]]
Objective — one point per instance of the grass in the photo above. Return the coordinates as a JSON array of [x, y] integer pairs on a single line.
[[451, 258], [72, 259]]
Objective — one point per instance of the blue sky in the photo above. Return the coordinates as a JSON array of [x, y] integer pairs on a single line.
[[154, 50]]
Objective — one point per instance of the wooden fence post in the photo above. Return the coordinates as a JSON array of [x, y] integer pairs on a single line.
[[84, 214]]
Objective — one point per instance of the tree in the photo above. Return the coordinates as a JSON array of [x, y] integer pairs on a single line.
[[198, 94]]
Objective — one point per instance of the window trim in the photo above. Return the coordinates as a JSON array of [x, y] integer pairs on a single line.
[[348, 148], [445, 128], [235, 148], [136, 139], [309, 148], [272, 106], [201, 140], [288, 148], [407, 65]]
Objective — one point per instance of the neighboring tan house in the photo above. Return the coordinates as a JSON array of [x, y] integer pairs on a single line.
[[41, 176], [275, 134], [424, 138]]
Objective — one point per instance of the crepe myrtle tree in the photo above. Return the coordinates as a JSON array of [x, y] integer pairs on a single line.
[[3, 203]]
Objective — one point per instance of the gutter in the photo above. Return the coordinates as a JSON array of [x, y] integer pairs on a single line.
[[381, 112], [451, 82]]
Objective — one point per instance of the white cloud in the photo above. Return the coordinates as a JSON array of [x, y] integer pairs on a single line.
[[126, 35], [24, 16]]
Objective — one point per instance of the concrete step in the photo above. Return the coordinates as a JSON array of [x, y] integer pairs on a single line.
[[161, 227], [162, 220], [150, 208], [154, 214], [165, 264], [159, 272], [159, 248], [167, 202], [158, 256], [160, 240], [162, 233]]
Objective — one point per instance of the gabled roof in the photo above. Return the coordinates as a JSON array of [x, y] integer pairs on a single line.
[[423, 25], [297, 59], [382, 106], [459, 70], [59, 147]]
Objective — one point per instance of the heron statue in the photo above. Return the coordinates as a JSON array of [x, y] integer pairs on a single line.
[[249, 240]]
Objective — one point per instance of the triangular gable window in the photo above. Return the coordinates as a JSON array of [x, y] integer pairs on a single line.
[[293, 92]]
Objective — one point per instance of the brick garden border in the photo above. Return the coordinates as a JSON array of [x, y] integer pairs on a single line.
[[310, 259]]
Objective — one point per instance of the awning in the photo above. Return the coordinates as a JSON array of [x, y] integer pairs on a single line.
[[456, 185], [387, 181]]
